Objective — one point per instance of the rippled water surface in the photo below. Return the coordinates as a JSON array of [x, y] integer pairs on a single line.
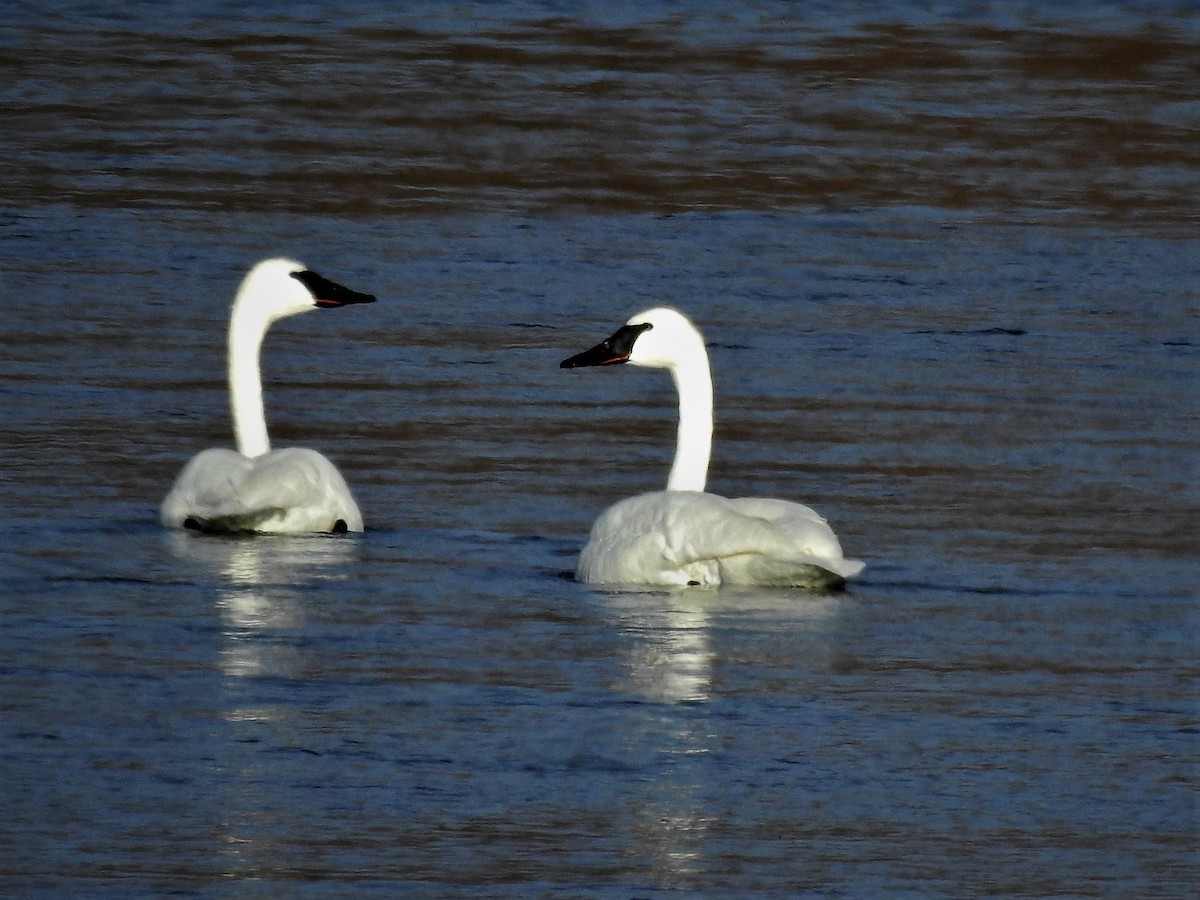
[[947, 262]]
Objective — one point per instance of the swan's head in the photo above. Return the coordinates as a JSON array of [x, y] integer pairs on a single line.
[[660, 338], [283, 287]]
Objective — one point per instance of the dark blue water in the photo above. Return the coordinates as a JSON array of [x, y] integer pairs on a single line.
[[947, 263]]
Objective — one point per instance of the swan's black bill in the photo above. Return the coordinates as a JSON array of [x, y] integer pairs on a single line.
[[329, 294], [610, 352]]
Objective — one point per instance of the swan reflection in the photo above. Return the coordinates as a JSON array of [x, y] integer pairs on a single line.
[[670, 656], [261, 585], [260, 594], [679, 652]]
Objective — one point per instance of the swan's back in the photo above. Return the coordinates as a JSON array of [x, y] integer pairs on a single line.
[[289, 491], [690, 537]]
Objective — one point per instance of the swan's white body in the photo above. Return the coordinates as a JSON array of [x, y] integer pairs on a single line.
[[255, 488], [684, 536], [290, 491]]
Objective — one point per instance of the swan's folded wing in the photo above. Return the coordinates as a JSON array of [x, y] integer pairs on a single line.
[[294, 489], [205, 485], [299, 484], [675, 537], [284, 479], [689, 537], [644, 540], [787, 533], [805, 527], [699, 526], [782, 512]]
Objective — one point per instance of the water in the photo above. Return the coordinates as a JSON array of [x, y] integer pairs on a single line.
[[946, 262]]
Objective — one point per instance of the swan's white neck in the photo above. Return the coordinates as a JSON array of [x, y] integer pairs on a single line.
[[693, 381], [247, 327]]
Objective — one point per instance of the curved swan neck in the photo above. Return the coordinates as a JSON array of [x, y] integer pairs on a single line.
[[693, 381], [247, 327]]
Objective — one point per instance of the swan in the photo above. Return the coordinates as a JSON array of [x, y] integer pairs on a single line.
[[255, 488], [683, 535]]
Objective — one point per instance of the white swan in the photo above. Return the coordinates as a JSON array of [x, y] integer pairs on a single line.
[[257, 489], [684, 536]]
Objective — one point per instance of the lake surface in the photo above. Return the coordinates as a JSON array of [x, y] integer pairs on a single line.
[[947, 261]]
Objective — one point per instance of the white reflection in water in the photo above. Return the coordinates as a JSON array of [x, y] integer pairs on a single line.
[[260, 601], [675, 643], [262, 583], [670, 656]]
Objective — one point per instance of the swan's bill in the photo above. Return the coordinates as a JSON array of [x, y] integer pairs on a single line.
[[329, 294], [610, 352]]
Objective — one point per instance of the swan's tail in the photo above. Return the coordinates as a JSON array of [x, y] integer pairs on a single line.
[[847, 568]]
